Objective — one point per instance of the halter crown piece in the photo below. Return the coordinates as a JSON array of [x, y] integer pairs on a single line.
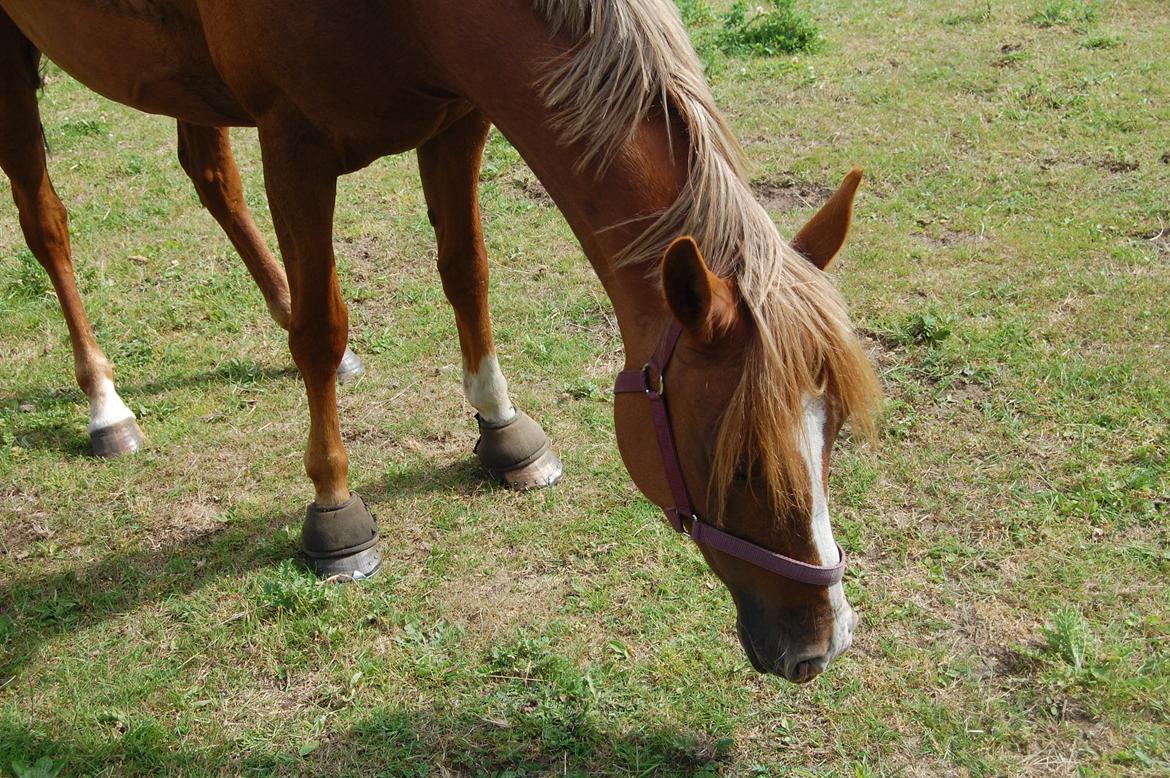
[[649, 380]]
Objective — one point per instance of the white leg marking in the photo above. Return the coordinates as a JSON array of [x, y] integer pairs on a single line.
[[812, 449], [106, 407], [487, 390]]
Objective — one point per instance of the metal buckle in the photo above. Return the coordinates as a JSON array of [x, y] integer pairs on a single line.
[[646, 375]]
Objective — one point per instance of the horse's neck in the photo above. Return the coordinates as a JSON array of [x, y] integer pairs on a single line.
[[645, 178]]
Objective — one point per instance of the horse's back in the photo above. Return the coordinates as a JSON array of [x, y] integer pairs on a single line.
[[356, 73], [368, 79], [148, 54]]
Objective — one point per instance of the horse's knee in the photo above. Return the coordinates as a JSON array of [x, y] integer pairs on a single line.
[[316, 362]]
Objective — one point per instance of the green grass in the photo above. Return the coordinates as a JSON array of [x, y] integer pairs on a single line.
[[1008, 266], [742, 29], [778, 29], [1066, 13]]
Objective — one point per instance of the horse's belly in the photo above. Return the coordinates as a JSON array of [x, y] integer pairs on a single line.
[[148, 54]]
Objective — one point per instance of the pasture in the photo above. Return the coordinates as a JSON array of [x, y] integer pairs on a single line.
[[1009, 531]]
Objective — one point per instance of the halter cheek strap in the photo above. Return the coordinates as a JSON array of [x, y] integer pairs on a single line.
[[650, 380]]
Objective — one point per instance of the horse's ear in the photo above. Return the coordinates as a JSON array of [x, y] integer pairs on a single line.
[[825, 234], [703, 303]]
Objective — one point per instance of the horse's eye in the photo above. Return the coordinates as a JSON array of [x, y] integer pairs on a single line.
[[741, 474]]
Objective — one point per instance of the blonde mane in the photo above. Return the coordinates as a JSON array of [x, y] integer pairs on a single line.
[[633, 57]]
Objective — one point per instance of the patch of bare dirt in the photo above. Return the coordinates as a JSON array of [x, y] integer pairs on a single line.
[[950, 238], [189, 518], [789, 194], [883, 350], [366, 433], [967, 394], [496, 604], [1115, 165], [753, 139], [1109, 163], [531, 189], [28, 525], [1007, 55], [366, 258], [940, 235], [989, 632], [1047, 163], [362, 248], [1011, 662]]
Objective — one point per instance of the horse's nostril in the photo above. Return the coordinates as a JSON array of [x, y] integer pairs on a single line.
[[807, 669]]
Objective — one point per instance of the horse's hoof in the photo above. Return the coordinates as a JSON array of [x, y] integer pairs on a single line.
[[517, 453], [355, 567], [350, 368], [545, 471], [124, 437], [342, 542]]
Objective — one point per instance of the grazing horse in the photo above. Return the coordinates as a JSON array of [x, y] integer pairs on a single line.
[[205, 154], [741, 363]]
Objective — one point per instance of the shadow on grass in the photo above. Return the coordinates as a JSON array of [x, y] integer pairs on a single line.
[[561, 737], [42, 606], [67, 438], [384, 742], [37, 607], [52, 425], [232, 372]]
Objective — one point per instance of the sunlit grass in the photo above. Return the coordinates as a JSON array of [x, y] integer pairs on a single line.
[[1008, 532]]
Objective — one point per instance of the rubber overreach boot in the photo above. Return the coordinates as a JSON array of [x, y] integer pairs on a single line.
[[517, 452], [342, 541]]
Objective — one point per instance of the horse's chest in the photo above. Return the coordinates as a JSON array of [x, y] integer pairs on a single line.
[[391, 123]]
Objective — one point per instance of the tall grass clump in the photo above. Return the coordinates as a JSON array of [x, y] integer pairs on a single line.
[[767, 31], [1066, 13], [1070, 640]]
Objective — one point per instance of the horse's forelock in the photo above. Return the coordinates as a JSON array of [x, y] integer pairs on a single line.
[[803, 346]]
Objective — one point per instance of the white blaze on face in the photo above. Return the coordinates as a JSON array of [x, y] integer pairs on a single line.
[[487, 391], [106, 407], [812, 449]]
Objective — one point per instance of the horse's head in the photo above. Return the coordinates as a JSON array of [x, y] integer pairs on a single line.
[[754, 417]]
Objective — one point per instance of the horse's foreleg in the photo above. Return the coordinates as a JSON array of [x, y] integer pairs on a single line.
[[206, 155], [512, 447], [339, 533], [113, 429]]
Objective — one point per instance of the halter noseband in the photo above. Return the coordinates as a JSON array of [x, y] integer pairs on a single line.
[[649, 380]]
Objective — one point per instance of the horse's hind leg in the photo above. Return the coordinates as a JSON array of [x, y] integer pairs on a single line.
[[512, 447], [206, 156], [113, 429]]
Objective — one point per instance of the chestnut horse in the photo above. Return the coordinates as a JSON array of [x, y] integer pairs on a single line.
[[751, 364]]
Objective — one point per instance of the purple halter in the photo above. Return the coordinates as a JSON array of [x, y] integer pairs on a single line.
[[649, 380]]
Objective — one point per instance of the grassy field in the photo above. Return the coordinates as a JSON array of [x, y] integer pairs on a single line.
[[1010, 268]]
